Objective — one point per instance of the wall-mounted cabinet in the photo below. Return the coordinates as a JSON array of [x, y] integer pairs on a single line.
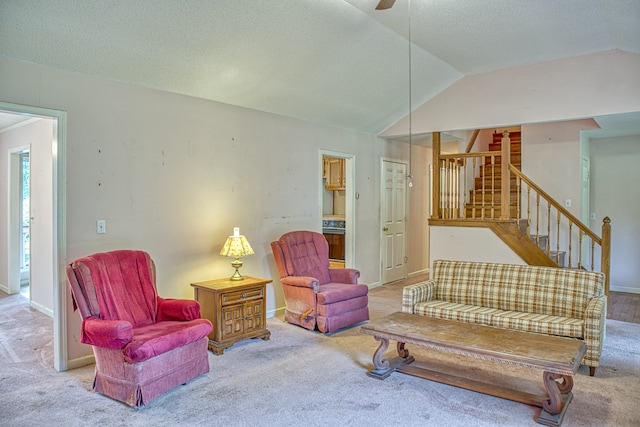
[[334, 173]]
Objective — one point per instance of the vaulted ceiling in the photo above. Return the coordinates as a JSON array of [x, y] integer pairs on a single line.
[[336, 62]]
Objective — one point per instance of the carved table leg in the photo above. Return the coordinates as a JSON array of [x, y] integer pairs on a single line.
[[384, 367], [378, 361], [402, 352], [559, 397]]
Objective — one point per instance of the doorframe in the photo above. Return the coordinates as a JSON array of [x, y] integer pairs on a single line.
[[58, 225], [13, 233], [350, 197], [381, 217]]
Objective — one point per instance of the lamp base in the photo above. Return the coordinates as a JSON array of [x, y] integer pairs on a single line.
[[236, 264], [236, 276]]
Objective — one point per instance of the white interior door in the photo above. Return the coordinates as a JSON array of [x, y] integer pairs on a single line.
[[393, 227]]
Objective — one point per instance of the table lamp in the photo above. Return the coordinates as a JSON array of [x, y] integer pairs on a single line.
[[236, 246]]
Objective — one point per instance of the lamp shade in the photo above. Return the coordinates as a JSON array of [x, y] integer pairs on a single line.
[[236, 247]]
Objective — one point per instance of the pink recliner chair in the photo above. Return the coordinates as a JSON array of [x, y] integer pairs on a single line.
[[315, 295], [143, 345]]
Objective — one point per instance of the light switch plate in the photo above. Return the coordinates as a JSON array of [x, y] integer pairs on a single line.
[[101, 226]]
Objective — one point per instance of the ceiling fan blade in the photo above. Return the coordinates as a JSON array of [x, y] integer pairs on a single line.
[[385, 4]]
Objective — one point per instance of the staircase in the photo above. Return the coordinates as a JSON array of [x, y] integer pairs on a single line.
[[484, 198], [534, 225]]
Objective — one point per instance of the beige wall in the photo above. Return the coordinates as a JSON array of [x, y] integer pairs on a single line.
[[173, 175], [574, 88]]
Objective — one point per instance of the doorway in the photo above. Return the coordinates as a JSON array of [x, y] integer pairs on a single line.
[[337, 200], [51, 221]]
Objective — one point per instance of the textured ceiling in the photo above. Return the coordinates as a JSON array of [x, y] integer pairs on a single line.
[[337, 62]]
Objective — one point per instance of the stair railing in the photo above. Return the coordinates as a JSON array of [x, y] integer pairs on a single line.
[[565, 233], [455, 176]]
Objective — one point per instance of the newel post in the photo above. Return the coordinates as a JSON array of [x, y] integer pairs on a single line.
[[606, 253], [435, 197], [505, 190]]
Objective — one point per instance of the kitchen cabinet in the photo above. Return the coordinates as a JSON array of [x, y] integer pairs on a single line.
[[336, 246], [334, 173]]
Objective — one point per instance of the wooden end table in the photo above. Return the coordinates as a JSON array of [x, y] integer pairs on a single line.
[[236, 308], [558, 357]]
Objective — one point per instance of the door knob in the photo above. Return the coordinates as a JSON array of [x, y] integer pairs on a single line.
[[385, 229]]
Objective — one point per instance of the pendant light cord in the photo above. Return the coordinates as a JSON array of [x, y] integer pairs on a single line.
[[410, 92]]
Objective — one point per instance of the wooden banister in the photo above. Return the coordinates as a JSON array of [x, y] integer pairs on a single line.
[[435, 197], [544, 195], [472, 141], [488, 203]]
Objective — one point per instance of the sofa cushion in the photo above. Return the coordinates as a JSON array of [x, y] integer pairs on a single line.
[[157, 338], [545, 290], [528, 322], [456, 311], [337, 308], [331, 293], [540, 323]]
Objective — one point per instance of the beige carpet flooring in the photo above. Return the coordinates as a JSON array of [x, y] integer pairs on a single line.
[[303, 378]]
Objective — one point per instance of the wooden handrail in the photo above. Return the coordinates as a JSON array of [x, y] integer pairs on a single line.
[[472, 141], [454, 203], [471, 155], [586, 230]]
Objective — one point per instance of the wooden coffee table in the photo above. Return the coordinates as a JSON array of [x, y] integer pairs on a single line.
[[559, 358]]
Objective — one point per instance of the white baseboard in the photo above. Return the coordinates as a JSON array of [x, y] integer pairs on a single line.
[[419, 272], [276, 312], [374, 285], [42, 309], [81, 361], [625, 290], [4, 288]]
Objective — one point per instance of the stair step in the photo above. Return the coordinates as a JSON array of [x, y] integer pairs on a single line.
[[558, 257], [523, 225], [515, 158], [477, 196], [542, 241], [495, 170], [488, 211], [497, 146], [513, 136], [490, 181]]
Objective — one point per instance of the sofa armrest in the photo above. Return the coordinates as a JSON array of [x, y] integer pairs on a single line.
[[106, 333], [177, 309], [301, 282], [344, 275], [595, 317], [417, 293]]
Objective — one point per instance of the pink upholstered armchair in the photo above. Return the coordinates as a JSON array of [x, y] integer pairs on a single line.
[[315, 295], [143, 345]]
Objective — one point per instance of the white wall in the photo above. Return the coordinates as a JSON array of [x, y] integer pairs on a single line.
[[574, 88], [173, 175], [470, 244], [39, 136], [614, 192]]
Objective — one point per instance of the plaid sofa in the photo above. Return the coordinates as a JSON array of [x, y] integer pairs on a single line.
[[553, 301]]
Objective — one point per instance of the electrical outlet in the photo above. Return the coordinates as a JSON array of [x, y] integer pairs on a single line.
[[101, 226]]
